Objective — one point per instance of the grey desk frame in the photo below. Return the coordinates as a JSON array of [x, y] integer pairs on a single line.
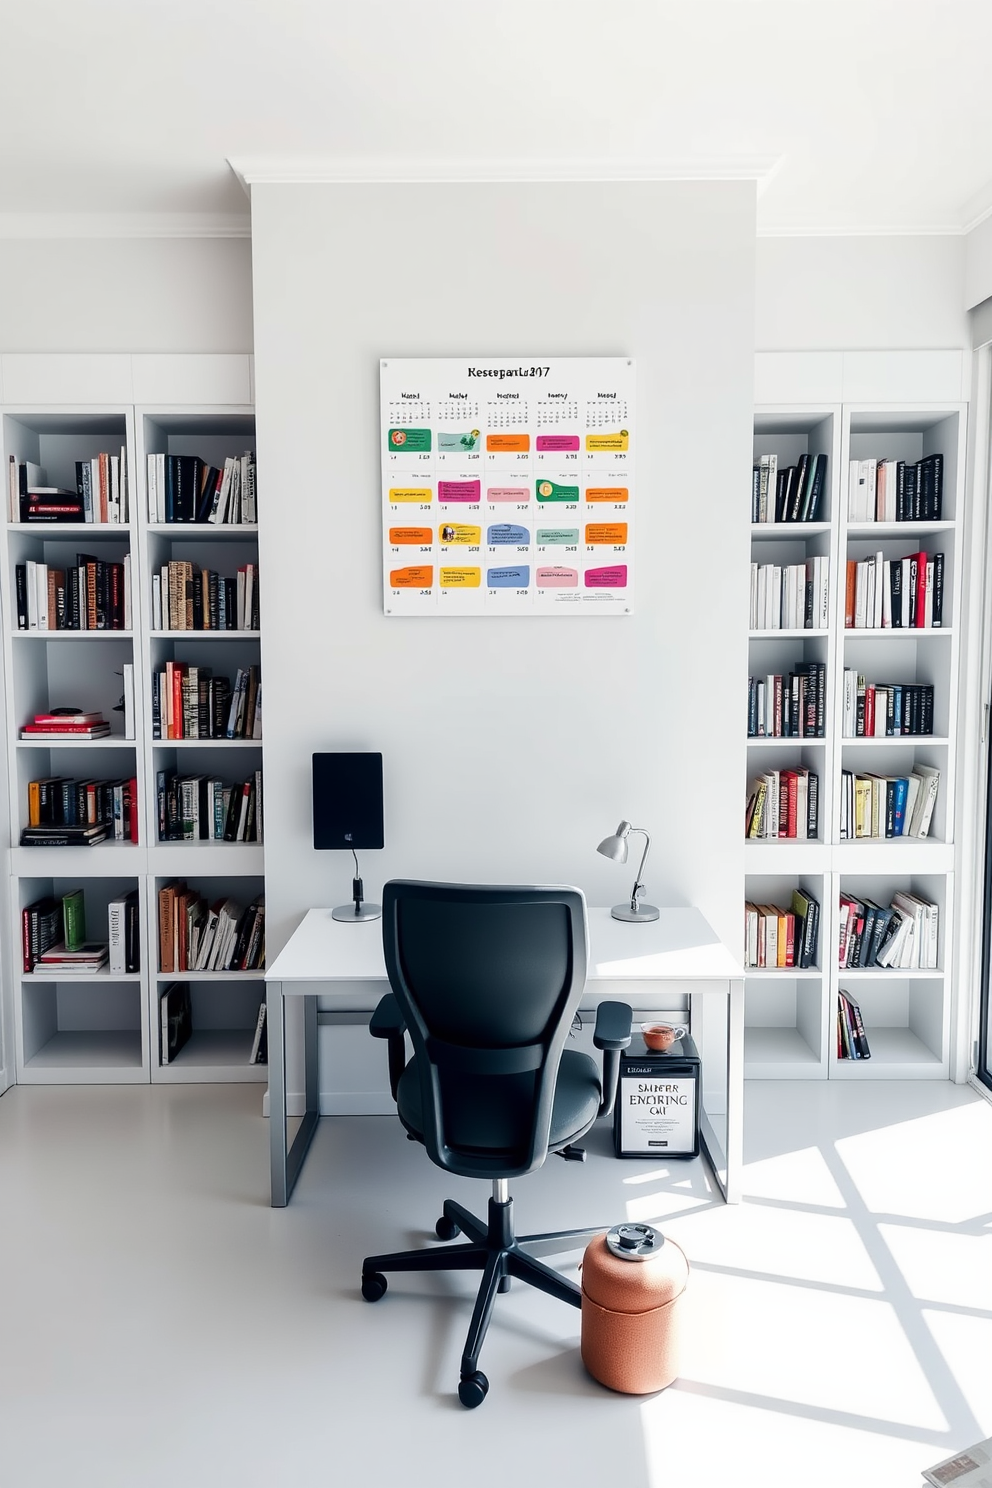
[[636, 963]]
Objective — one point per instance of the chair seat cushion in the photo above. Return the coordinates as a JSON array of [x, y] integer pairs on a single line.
[[578, 1093]]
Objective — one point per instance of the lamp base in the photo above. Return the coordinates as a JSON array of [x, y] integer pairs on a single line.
[[642, 914], [351, 914]]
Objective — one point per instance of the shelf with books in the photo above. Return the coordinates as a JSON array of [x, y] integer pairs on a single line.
[[197, 467], [784, 802], [784, 1025], [222, 1019], [68, 466], [905, 1023]]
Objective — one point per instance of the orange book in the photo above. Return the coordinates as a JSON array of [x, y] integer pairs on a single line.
[[177, 731], [104, 487], [34, 803], [852, 581]]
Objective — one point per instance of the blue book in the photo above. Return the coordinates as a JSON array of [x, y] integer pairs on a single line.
[[900, 791]]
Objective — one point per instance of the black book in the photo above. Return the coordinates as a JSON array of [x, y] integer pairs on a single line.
[[198, 600], [209, 476], [900, 490], [926, 710], [176, 1009], [187, 475], [910, 479], [912, 589], [73, 612], [938, 590], [812, 804], [233, 814], [813, 494], [783, 498], [895, 590], [857, 1027], [63, 836], [798, 489], [132, 943], [864, 939], [879, 934], [84, 485], [21, 590], [755, 492]]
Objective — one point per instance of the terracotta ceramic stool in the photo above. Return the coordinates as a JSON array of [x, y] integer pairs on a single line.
[[633, 1282]]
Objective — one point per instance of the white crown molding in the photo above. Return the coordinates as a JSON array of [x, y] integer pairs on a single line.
[[265, 170], [878, 230], [35, 225]]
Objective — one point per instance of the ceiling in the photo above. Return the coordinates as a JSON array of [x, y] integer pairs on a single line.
[[871, 116]]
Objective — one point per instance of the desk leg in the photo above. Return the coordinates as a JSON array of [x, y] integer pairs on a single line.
[[286, 1159], [735, 1091], [721, 1130]]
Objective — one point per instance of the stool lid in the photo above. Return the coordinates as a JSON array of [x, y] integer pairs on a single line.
[[609, 1279]]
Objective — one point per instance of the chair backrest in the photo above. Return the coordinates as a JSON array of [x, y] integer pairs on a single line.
[[488, 979]]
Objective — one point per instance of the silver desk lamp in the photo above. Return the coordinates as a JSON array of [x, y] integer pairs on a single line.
[[615, 848]]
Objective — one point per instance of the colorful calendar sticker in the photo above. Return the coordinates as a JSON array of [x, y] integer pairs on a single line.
[[507, 493], [458, 532], [547, 490], [614, 577], [508, 486], [464, 490], [404, 537], [418, 576], [558, 537], [557, 578], [409, 441], [458, 443], [607, 493], [410, 493], [507, 532], [598, 533], [508, 578]]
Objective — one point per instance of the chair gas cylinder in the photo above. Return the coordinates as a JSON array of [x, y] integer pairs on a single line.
[[633, 1283]]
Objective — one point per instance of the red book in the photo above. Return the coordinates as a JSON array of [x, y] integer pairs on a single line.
[[850, 593], [59, 727], [869, 712], [104, 487], [63, 718], [132, 798], [790, 938], [26, 939], [921, 588], [791, 779]]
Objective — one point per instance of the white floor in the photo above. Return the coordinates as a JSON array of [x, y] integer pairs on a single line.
[[161, 1325]]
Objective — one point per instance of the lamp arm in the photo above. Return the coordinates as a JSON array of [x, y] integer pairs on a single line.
[[638, 882]]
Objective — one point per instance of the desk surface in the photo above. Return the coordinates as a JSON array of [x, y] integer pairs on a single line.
[[678, 945]]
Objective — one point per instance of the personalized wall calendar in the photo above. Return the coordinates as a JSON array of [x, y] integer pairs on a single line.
[[507, 485]]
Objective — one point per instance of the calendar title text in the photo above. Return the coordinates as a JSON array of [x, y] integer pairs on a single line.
[[502, 372]]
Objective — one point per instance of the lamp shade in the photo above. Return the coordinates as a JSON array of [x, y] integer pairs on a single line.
[[615, 847]]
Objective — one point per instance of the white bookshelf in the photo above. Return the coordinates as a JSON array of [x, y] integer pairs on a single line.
[[87, 1029], [790, 1015]]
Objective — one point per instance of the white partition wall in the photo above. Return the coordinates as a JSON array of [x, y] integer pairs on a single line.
[[511, 747]]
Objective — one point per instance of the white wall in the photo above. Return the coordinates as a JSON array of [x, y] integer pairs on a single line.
[[860, 293], [511, 746], [128, 294]]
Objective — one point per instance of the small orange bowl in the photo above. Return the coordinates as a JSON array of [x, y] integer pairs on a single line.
[[659, 1036]]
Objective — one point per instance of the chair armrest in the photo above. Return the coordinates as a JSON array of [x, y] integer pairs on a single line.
[[387, 1023], [611, 1034]]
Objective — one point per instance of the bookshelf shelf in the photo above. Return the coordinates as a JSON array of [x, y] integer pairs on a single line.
[[791, 1027], [106, 1027]]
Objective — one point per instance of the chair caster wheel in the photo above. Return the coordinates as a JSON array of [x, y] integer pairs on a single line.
[[473, 1389], [446, 1229], [373, 1286]]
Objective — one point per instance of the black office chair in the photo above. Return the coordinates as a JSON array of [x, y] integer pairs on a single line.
[[486, 981]]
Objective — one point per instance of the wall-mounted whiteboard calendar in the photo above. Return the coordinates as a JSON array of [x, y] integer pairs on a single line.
[[507, 485]]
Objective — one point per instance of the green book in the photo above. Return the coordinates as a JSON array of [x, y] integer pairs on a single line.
[[74, 919]]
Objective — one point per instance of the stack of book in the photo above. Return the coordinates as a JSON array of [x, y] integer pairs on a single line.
[[789, 706], [902, 935], [852, 1041], [782, 938], [187, 597], [899, 593], [188, 702], [783, 803], [876, 710], [65, 812], [792, 494], [793, 597], [100, 494], [88, 958], [197, 936], [195, 808], [95, 594], [184, 488], [881, 806], [894, 491], [66, 726]]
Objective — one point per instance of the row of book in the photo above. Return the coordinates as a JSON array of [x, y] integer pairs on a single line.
[[782, 938], [852, 1041], [189, 702], [882, 710], [792, 494], [176, 1024], [187, 597], [903, 934], [184, 488], [101, 494], [68, 726], [883, 806], [66, 812], [783, 803], [92, 594], [898, 593], [54, 936], [196, 936], [896, 490], [794, 596], [195, 808], [788, 706]]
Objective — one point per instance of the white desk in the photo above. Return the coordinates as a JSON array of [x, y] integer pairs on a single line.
[[676, 954]]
